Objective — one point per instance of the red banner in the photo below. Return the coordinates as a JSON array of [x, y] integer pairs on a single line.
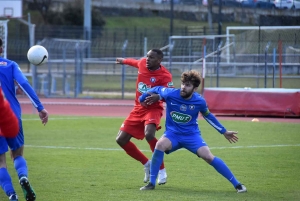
[[261, 102]]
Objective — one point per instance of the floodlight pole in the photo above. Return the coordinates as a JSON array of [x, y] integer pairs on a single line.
[[171, 17], [87, 26], [31, 28], [220, 19]]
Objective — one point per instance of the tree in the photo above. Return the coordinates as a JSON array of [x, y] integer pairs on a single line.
[[43, 7], [73, 14]]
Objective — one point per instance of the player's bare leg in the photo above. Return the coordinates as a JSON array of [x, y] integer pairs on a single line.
[[150, 130], [123, 139]]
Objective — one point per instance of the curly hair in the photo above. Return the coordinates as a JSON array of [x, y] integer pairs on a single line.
[[192, 76]]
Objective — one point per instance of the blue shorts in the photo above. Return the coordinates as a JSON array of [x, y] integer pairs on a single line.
[[189, 142], [12, 143]]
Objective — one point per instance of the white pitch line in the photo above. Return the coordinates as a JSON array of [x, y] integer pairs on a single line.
[[80, 103], [118, 149], [72, 118]]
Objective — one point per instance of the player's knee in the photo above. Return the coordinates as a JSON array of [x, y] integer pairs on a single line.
[[122, 138], [120, 141], [160, 145], [2, 161], [16, 153], [208, 158], [149, 136]]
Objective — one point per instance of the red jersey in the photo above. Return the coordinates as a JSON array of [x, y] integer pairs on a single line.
[[9, 125], [147, 79]]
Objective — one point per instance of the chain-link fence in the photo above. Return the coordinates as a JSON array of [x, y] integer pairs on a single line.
[[241, 60]]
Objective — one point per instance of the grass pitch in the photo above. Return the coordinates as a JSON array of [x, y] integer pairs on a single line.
[[77, 158]]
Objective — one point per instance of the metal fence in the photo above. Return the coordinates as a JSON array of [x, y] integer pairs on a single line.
[[79, 68]]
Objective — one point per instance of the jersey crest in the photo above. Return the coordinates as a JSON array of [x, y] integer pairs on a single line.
[[183, 107], [152, 79]]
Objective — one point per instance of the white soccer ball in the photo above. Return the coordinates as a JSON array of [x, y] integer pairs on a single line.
[[37, 55]]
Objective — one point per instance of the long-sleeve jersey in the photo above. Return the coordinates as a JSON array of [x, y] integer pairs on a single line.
[[182, 114], [10, 73], [147, 79]]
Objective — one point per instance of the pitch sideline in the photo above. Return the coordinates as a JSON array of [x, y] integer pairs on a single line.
[[117, 149]]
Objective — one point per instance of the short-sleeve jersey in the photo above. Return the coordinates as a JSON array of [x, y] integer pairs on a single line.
[[147, 79]]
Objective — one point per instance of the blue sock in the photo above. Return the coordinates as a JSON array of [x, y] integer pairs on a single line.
[[156, 161], [21, 166], [5, 182], [223, 169]]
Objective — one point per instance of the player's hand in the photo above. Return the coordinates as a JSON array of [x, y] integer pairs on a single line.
[[44, 116], [144, 104], [119, 60], [231, 136], [153, 98]]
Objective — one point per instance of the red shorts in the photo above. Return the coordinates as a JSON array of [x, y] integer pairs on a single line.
[[135, 123]]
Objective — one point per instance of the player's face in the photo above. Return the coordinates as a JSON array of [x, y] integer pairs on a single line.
[[153, 60], [186, 90]]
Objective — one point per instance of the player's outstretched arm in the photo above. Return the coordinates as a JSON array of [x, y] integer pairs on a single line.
[[43, 114], [119, 60], [231, 136]]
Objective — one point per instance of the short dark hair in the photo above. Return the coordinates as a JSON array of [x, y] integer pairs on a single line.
[[159, 53], [192, 76]]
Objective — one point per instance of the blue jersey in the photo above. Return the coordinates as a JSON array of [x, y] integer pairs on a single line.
[[9, 74], [182, 114]]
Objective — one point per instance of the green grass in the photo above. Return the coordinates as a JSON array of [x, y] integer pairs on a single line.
[[77, 158], [147, 22], [159, 23]]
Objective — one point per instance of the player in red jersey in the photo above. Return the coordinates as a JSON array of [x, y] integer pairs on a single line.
[[9, 125], [144, 121]]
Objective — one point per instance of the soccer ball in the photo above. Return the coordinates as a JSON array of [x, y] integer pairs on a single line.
[[37, 55]]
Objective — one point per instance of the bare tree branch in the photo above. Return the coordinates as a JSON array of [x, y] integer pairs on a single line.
[[43, 7]]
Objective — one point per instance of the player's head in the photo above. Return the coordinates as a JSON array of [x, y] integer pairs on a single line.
[[190, 82], [154, 58], [1, 43]]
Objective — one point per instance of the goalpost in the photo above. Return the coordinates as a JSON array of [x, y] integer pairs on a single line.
[[200, 52], [3, 36], [252, 40]]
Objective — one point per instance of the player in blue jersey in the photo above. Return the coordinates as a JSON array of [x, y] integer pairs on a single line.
[[9, 74], [182, 130]]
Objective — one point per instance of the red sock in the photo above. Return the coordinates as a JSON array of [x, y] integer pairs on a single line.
[[135, 153], [9, 124], [152, 144]]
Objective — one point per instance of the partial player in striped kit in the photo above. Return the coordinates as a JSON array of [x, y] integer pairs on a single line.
[[182, 129], [9, 74]]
